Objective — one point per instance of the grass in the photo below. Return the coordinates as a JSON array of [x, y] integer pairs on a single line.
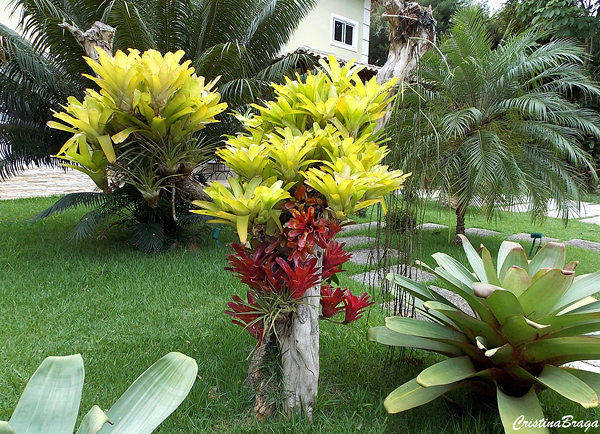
[[122, 310]]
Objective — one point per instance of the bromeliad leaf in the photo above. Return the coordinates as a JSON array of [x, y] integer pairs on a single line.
[[515, 409], [411, 395]]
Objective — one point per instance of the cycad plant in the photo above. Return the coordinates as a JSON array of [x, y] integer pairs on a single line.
[[496, 126], [40, 68], [525, 320]]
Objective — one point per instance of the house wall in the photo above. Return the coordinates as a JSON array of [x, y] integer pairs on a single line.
[[315, 31]]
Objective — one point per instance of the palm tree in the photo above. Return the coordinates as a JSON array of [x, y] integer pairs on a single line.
[[492, 127], [234, 39]]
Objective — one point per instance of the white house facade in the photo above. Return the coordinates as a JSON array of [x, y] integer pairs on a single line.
[[339, 27]]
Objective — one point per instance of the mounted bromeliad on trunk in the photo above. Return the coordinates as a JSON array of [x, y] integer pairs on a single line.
[[308, 160]]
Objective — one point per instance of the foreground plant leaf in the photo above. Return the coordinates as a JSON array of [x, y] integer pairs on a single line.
[[411, 395], [526, 408], [153, 396], [524, 328], [50, 401]]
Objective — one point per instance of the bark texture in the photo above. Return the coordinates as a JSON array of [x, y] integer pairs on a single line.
[[300, 351], [99, 35], [263, 406], [412, 33], [460, 225]]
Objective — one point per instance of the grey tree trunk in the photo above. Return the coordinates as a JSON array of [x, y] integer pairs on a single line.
[[299, 346], [412, 33], [99, 35]]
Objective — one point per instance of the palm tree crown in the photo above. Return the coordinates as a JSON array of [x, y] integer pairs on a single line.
[[234, 39], [497, 126]]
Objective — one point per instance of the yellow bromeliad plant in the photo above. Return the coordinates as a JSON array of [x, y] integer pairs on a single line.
[[141, 122], [307, 160], [319, 131]]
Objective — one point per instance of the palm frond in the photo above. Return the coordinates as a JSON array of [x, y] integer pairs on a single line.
[[149, 237], [229, 60], [273, 27], [217, 22], [131, 29], [72, 200], [91, 223]]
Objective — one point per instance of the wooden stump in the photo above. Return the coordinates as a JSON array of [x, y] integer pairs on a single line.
[[300, 351]]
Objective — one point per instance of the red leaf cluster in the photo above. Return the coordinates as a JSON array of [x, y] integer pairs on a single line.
[[247, 314], [333, 257], [266, 272], [304, 230], [334, 301]]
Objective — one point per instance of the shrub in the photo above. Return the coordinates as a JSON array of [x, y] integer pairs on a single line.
[[526, 319]]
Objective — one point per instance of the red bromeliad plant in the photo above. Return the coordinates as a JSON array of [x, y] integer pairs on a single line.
[[307, 161]]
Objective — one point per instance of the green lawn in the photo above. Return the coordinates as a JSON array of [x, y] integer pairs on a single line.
[[122, 310]]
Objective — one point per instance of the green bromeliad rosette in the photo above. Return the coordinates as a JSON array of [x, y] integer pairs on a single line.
[[527, 319], [307, 160]]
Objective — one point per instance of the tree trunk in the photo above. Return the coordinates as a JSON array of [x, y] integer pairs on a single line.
[[299, 346], [412, 33], [99, 35], [460, 224]]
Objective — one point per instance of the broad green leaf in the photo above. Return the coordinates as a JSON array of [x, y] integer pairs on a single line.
[[583, 286], [514, 411], [417, 289], [568, 320], [574, 330], [501, 355], [411, 395], [568, 386], [50, 401], [589, 307], [5, 428], [503, 304], [552, 255], [93, 421], [516, 280], [557, 351], [592, 379], [511, 254], [107, 147], [540, 298], [447, 372], [153, 396], [488, 266], [474, 259], [454, 267], [434, 315], [469, 325], [518, 331], [242, 227], [385, 336], [460, 289], [424, 329], [587, 304]]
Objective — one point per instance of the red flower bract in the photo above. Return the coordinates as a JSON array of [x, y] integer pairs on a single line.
[[299, 279], [258, 270], [334, 256], [330, 299], [247, 314], [304, 230], [355, 306]]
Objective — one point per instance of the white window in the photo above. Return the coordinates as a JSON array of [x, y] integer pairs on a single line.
[[344, 32]]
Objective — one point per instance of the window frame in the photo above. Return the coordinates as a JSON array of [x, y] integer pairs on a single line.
[[346, 22]]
